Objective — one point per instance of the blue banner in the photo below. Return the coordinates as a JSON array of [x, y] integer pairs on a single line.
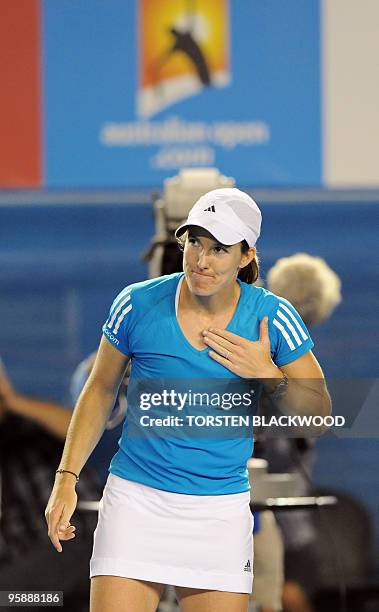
[[135, 90]]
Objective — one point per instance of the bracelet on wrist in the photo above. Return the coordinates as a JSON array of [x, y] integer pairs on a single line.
[[68, 472]]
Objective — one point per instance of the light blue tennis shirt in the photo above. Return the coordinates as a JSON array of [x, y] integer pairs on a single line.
[[177, 457]]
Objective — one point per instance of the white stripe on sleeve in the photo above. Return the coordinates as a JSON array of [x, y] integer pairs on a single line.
[[120, 297], [287, 310], [121, 318], [119, 307], [290, 326], [285, 334]]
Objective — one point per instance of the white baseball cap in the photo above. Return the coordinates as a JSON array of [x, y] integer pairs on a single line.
[[229, 214]]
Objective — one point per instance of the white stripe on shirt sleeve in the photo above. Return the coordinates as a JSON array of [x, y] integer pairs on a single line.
[[290, 326], [285, 334], [287, 310], [119, 307], [121, 318]]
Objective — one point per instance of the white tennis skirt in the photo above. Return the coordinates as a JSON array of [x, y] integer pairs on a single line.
[[197, 541]]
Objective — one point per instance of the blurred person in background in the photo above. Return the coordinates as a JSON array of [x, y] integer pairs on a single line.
[[314, 289], [32, 432]]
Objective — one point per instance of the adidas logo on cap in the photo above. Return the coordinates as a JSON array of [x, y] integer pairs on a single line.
[[235, 217]]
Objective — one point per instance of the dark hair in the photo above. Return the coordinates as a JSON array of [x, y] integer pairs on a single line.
[[249, 274]]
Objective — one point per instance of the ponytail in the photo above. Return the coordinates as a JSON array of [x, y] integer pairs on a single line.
[[250, 273]]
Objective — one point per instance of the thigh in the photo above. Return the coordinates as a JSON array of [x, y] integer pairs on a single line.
[[119, 594], [199, 600]]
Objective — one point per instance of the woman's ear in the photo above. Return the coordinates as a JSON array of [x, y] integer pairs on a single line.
[[248, 257]]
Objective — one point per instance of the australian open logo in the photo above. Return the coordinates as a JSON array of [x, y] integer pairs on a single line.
[[183, 48]]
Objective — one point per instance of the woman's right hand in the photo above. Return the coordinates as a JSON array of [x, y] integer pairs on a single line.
[[59, 510]]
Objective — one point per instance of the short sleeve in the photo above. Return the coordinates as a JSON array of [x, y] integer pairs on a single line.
[[116, 327], [289, 336]]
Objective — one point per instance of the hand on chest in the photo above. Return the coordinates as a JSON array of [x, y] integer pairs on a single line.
[[193, 327]]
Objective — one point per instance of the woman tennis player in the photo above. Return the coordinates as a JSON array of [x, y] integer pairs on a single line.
[[175, 510]]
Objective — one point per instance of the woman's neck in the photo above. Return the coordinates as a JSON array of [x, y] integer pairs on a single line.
[[210, 305]]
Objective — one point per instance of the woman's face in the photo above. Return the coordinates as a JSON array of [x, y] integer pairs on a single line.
[[210, 266]]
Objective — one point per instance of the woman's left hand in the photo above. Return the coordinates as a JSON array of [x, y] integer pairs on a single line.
[[246, 358]]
